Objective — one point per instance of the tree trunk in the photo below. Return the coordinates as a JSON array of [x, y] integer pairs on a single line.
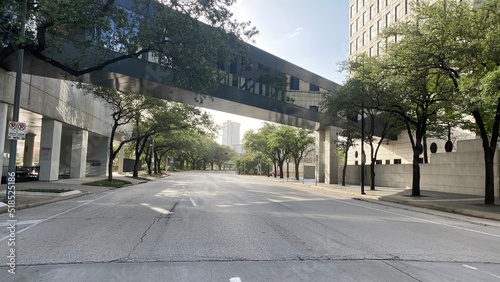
[[489, 191], [489, 153], [415, 187], [344, 169], [372, 175], [297, 164], [112, 154]]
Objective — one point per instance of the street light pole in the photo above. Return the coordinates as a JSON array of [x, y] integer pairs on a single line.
[[11, 174], [363, 156]]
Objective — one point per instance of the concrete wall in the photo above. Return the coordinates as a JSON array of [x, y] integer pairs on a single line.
[[59, 100], [458, 172]]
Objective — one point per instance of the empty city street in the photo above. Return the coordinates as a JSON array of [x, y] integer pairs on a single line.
[[219, 226]]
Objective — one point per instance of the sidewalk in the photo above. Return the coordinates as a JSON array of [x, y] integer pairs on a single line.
[[28, 200], [469, 205]]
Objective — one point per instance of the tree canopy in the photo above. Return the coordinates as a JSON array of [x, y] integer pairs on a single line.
[[186, 37]]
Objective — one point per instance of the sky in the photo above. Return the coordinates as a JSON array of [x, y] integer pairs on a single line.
[[312, 34]]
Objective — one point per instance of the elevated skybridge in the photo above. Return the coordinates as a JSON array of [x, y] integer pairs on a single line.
[[142, 76]]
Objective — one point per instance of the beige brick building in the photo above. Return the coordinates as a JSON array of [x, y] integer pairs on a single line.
[[367, 19]]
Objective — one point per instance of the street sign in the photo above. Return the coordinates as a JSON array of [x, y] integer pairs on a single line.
[[17, 130]]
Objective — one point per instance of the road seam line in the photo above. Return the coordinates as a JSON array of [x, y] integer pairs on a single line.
[[61, 213]]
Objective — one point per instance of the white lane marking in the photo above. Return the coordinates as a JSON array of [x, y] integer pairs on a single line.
[[496, 276], [235, 279], [22, 222], [64, 212], [489, 273], [193, 202], [421, 219]]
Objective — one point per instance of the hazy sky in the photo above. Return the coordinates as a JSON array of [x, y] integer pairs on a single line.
[[312, 34]]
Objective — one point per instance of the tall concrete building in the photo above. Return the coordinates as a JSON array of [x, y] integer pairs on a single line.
[[230, 133], [367, 19]]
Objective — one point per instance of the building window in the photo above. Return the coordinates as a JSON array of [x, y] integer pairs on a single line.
[[387, 19], [232, 67], [371, 12], [387, 161], [397, 161], [379, 2], [378, 48], [357, 43], [379, 162], [379, 26], [356, 163], [313, 87], [350, 30], [407, 7], [372, 31], [370, 53], [364, 41], [364, 19], [352, 11], [294, 83], [396, 13]]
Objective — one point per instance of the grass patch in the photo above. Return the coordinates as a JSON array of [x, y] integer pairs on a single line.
[[105, 183], [45, 190]]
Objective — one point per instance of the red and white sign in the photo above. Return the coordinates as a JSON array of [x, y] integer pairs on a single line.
[[17, 130]]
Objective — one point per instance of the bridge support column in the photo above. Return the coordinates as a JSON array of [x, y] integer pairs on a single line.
[[97, 155], [331, 157], [50, 150], [320, 153], [326, 155], [3, 134], [29, 145], [79, 154]]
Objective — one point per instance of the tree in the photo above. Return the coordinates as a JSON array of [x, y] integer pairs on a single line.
[[188, 38], [363, 94], [298, 144], [124, 108], [346, 141], [167, 118], [420, 95], [467, 54]]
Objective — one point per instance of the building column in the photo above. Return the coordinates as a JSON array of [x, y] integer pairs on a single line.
[[121, 156], [319, 163], [331, 157], [50, 146], [29, 144], [97, 155], [79, 154], [3, 134]]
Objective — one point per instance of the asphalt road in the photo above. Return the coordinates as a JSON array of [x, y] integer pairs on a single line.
[[203, 226]]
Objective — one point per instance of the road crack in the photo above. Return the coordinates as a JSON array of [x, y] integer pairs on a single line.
[[155, 220]]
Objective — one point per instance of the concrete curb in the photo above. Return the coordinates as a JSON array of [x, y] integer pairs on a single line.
[[4, 208], [27, 193]]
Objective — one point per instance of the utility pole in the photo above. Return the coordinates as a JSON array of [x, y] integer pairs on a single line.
[[363, 156], [11, 174]]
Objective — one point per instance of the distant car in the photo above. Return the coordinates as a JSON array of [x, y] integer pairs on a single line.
[[271, 173]]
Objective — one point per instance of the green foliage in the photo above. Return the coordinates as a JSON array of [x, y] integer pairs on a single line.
[[186, 37], [108, 183], [279, 143]]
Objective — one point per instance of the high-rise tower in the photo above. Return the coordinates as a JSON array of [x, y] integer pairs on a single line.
[[231, 133]]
